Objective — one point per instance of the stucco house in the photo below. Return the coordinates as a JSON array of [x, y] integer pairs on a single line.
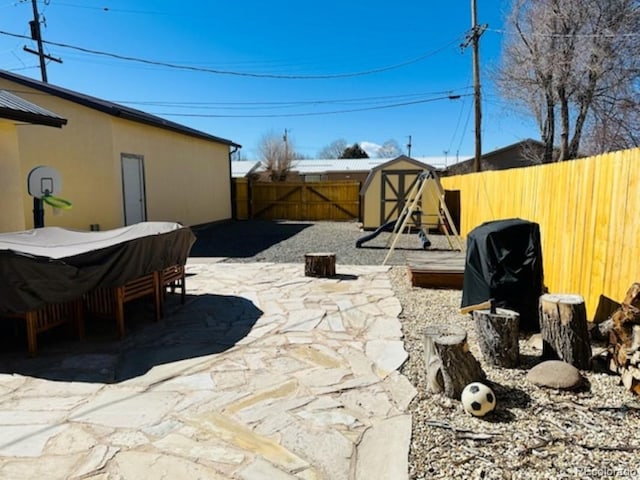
[[16, 111], [118, 165]]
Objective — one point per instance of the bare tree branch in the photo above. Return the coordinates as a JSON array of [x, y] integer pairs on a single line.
[[278, 155], [574, 65]]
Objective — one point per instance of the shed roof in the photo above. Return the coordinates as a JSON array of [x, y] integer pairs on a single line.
[[404, 158], [389, 163], [13, 107], [112, 108]]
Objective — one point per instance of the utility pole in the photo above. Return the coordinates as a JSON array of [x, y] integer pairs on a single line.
[[409, 147], [286, 145], [36, 35], [473, 39]]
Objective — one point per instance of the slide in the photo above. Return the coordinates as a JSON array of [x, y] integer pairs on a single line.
[[387, 227]]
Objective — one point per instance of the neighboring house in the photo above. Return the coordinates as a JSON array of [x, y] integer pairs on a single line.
[[244, 168], [13, 111], [335, 169], [328, 169], [521, 154], [118, 165]]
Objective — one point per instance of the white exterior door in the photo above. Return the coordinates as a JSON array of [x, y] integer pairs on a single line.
[[135, 208]]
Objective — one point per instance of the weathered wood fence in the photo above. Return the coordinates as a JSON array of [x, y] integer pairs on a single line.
[[589, 216], [326, 200]]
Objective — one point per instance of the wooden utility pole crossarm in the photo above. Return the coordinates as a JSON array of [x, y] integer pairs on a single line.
[[36, 34]]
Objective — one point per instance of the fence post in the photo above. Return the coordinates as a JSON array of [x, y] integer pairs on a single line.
[[250, 199]]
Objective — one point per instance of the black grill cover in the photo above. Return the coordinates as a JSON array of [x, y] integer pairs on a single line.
[[504, 262]]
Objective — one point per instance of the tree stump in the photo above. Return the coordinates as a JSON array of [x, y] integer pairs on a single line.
[[624, 341], [450, 366], [320, 264], [498, 336], [563, 325]]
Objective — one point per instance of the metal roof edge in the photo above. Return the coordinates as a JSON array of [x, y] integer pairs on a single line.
[[13, 107], [112, 108]]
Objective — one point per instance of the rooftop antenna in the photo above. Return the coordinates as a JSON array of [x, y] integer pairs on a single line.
[[409, 147]]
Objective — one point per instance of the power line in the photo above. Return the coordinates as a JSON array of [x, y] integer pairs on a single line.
[[311, 114], [464, 130], [441, 95], [243, 74], [455, 131], [292, 103], [118, 10]]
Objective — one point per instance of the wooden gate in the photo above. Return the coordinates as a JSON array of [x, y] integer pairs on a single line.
[[338, 200], [396, 185]]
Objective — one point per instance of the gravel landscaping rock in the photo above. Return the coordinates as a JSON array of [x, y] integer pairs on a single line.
[[288, 241], [534, 433]]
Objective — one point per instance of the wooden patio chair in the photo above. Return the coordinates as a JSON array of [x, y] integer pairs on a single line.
[[172, 278], [109, 301], [50, 316]]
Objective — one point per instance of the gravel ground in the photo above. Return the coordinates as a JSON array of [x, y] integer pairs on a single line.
[[533, 433], [287, 242]]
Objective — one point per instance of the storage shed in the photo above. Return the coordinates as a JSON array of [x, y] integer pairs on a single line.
[[388, 188]]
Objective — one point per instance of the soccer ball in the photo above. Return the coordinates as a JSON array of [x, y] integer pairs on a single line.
[[478, 399]]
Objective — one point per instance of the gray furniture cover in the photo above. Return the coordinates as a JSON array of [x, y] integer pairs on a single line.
[[53, 265]]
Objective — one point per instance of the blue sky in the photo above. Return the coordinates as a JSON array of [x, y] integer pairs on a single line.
[[387, 67]]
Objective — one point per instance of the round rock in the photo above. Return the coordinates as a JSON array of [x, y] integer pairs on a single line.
[[555, 374]]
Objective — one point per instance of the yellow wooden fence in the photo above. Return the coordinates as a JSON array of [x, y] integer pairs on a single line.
[[326, 200], [589, 216]]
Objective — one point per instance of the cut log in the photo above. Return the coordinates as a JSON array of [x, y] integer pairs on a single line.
[[624, 340], [498, 336], [634, 359], [601, 330], [630, 378], [450, 366], [633, 296], [320, 264], [563, 325], [624, 337]]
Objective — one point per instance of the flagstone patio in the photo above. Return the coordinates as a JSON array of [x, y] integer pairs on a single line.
[[263, 374]]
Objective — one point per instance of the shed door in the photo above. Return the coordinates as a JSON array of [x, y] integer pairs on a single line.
[[135, 208], [396, 186]]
